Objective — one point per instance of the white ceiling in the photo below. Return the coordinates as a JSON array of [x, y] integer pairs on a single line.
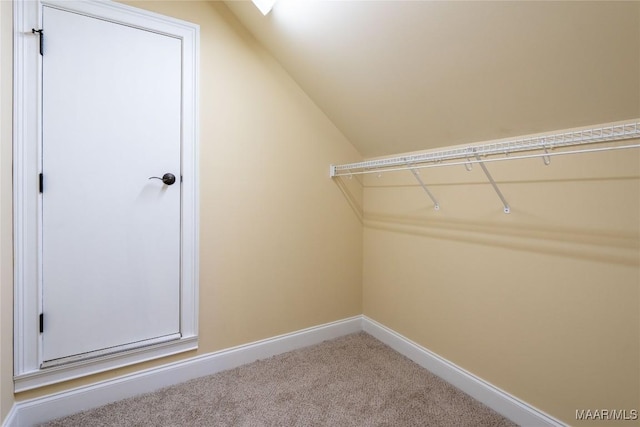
[[398, 76]]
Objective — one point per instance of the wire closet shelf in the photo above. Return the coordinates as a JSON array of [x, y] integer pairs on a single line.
[[470, 155]]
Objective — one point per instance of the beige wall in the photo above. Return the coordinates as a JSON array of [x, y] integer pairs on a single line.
[[544, 302], [6, 245], [280, 250]]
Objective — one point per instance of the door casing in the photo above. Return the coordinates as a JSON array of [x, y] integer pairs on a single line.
[[26, 198]]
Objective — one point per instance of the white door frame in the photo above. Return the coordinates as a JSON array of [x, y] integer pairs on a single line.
[[28, 373]]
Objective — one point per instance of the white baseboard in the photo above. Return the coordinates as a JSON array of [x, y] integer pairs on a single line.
[[499, 400], [34, 411], [12, 417]]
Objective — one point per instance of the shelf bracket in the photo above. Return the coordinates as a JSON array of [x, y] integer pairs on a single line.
[[436, 205], [546, 158], [507, 209]]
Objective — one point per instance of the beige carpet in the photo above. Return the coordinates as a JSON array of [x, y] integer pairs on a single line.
[[350, 381]]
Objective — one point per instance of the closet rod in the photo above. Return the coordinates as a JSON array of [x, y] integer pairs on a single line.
[[545, 142]]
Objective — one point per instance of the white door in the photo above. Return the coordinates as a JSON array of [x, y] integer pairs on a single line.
[[110, 235]]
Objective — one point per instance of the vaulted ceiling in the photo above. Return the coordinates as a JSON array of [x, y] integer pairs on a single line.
[[399, 76]]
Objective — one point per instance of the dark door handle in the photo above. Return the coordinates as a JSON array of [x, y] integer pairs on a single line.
[[167, 178]]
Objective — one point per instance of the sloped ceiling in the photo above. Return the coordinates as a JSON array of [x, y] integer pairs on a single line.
[[398, 76]]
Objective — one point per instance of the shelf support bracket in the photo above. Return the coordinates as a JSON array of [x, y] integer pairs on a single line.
[[436, 205], [507, 209]]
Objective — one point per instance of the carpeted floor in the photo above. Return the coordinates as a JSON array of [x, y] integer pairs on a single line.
[[350, 381]]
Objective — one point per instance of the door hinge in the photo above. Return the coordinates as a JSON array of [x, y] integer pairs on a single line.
[[41, 322], [40, 182], [40, 36]]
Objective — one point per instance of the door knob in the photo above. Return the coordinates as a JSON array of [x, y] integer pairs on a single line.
[[167, 178]]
